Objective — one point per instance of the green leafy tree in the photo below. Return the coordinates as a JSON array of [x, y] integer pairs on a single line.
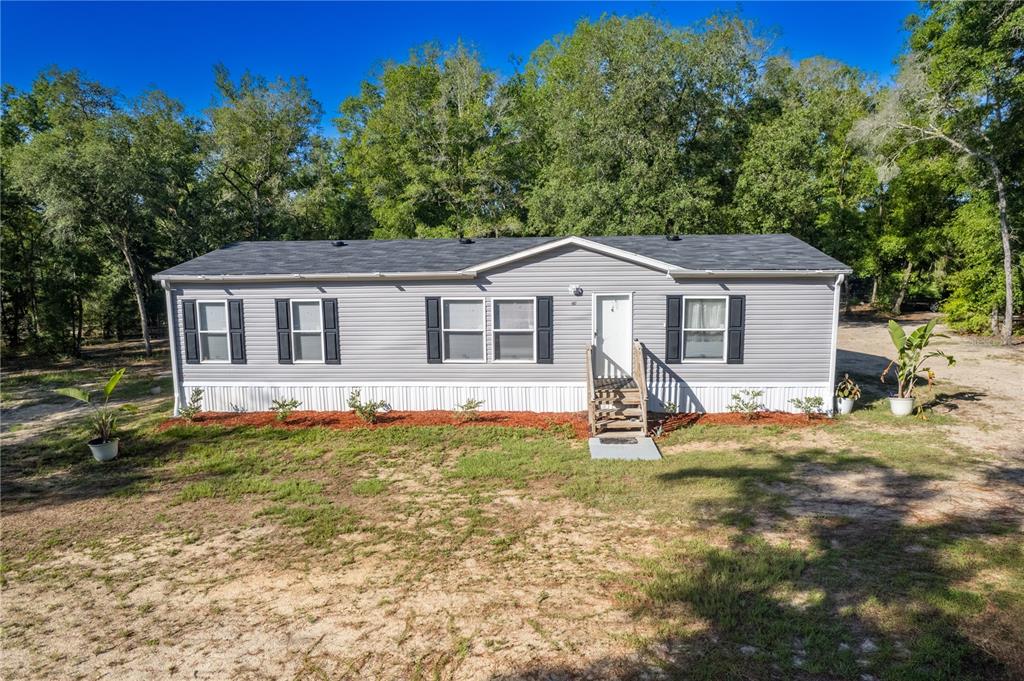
[[962, 86], [641, 124], [102, 174], [262, 134], [799, 173], [428, 143]]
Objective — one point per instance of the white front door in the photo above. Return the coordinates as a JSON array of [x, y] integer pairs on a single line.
[[613, 329]]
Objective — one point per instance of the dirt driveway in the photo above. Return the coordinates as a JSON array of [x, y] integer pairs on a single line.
[[989, 401]]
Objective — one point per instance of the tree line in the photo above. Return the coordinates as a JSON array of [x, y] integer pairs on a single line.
[[624, 126]]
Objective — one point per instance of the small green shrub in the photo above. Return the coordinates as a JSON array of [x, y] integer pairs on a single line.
[[367, 411], [284, 408], [192, 407], [469, 410], [808, 405], [747, 402]]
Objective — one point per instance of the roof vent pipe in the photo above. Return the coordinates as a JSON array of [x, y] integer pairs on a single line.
[[339, 242], [670, 234], [465, 240]]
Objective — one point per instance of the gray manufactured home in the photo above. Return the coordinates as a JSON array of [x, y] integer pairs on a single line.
[[526, 324]]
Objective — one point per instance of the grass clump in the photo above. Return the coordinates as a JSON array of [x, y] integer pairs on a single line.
[[369, 487]]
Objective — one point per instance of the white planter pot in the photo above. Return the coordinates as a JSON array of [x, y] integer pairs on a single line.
[[104, 451], [901, 406], [845, 404]]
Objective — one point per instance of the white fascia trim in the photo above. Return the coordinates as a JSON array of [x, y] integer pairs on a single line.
[[284, 278], [575, 241], [767, 274]]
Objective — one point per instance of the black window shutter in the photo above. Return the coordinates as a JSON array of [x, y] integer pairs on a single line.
[[188, 316], [284, 332], [737, 324], [673, 330], [545, 330], [331, 349], [434, 330], [236, 331]]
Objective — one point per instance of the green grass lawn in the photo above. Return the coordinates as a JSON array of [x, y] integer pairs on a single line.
[[748, 573]]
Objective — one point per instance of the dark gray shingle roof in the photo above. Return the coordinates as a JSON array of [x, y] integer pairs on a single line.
[[732, 252]]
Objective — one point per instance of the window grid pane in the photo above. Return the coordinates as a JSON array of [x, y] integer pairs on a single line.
[[212, 317], [703, 344], [705, 313], [464, 345], [513, 345], [464, 315], [513, 315], [306, 316], [213, 347], [308, 347]]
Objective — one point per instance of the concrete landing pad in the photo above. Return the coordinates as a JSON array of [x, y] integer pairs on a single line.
[[627, 448]]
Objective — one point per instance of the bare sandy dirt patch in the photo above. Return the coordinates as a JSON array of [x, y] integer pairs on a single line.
[[989, 400]]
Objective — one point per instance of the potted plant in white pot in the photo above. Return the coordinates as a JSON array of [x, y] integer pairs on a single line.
[[847, 392], [911, 354], [103, 419]]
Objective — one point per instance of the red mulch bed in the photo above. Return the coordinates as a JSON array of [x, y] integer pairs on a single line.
[[670, 422], [347, 420]]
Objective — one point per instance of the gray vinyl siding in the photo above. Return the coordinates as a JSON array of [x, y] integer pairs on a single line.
[[788, 324]]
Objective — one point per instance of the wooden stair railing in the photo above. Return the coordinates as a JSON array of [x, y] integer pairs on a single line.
[[640, 378], [618, 405], [591, 407]]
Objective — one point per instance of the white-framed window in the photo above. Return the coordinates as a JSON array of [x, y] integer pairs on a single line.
[[307, 331], [213, 331], [514, 329], [462, 329], [705, 320]]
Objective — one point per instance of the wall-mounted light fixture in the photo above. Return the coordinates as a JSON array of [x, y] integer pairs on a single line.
[[576, 290]]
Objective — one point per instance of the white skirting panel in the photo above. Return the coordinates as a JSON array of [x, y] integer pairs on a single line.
[[716, 398], [510, 397], [550, 397]]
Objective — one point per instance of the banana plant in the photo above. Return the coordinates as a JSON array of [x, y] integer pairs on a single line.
[[911, 355], [104, 418]]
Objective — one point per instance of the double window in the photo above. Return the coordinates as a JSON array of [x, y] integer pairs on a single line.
[[704, 323], [213, 331], [307, 331], [462, 329], [514, 332]]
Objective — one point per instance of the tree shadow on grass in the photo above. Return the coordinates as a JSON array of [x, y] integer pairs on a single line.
[[52, 472], [843, 580]]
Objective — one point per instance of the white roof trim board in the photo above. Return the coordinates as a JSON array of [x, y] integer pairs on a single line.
[[582, 243], [297, 261]]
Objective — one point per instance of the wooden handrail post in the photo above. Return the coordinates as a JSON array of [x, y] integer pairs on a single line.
[[640, 377], [591, 415]]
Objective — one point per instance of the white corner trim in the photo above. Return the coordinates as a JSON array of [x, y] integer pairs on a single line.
[[574, 241], [172, 342], [835, 342]]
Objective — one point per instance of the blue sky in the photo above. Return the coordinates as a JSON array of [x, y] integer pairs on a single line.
[[173, 46]]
